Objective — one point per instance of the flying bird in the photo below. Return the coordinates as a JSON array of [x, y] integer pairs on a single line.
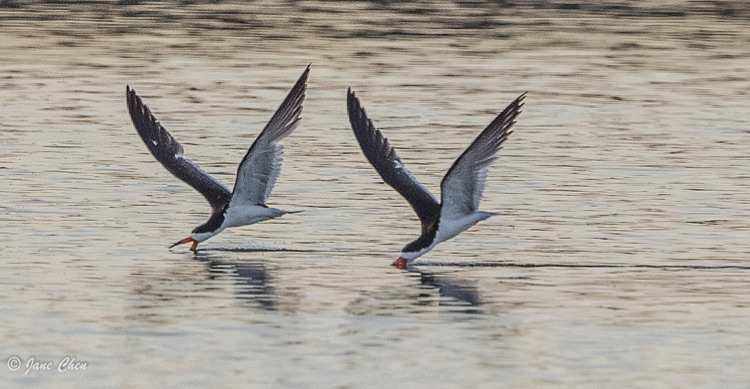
[[461, 187], [256, 174]]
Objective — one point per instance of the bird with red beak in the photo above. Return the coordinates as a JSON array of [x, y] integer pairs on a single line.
[[256, 174], [462, 187]]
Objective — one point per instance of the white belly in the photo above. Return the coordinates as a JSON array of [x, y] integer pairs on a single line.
[[447, 229], [242, 216]]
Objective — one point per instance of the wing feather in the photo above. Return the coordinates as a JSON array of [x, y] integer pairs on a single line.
[[386, 162], [463, 185], [167, 150], [261, 166]]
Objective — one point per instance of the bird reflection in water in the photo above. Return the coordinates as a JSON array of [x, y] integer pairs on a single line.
[[453, 291], [253, 280]]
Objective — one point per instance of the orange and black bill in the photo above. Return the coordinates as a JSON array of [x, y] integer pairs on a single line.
[[186, 240]]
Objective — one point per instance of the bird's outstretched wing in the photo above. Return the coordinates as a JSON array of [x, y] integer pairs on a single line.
[[463, 185], [384, 159], [258, 171], [169, 152]]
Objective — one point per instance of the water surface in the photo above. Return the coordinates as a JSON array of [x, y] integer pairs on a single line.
[[620, 258]]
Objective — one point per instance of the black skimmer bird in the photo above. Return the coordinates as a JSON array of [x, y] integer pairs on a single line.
[[461, 187], [256, 174]]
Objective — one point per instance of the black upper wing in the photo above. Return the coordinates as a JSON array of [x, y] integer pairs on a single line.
[[170, 153], [384, 159]]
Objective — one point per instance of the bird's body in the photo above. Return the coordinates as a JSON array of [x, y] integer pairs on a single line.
[[237, 217], [256, 174], [461, 188], [251, 214], [449, 228]]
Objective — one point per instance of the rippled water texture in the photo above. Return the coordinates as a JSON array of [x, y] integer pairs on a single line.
[[620, 258]]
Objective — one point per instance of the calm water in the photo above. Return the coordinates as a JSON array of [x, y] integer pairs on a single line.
[[621, 258]]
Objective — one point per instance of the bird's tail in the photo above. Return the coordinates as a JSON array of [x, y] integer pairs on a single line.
[[486, 215]]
